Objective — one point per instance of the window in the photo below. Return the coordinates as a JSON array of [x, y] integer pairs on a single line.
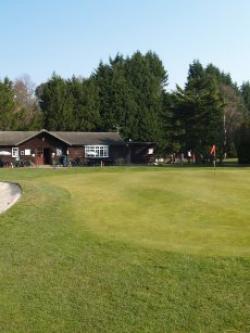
[[58, 152], [15, 152], [27, 152], [96, 151]]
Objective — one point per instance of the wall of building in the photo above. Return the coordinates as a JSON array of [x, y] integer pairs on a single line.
[[118, 154], [140, 153], [6, 159], [76, 154], [38, 145], [43, 149], [46, 149]]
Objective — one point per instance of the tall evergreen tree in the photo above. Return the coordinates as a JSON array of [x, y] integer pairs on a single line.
[[55, 103], [146, 79], [131, 92], [199, 111], [85, 104], [69, 105], [245, 93], [103, 81]]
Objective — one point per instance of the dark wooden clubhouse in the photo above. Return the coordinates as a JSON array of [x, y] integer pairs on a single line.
[[77, 148]]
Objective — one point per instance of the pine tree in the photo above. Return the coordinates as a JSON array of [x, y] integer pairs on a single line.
[[245, 93], [199, 111]]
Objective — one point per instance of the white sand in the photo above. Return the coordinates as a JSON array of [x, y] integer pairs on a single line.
[[9, 195]]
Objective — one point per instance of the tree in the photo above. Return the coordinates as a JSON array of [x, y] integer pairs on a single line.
[[233, 116], [69, 105], [233, 106], [198, 111], [102, 78], [220, 76], [27, 113], [245, 93], [130, 93], [85, 104], [7, 119], [172, 129], [55, 103], [146, 79]]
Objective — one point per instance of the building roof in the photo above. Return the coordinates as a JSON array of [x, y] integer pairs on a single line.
[[88, 138], [15, 138], [11, 138]]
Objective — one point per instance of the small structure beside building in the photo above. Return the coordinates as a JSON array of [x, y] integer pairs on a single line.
[[77, 148]]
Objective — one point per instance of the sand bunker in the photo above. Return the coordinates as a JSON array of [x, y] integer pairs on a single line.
[[9, 195]]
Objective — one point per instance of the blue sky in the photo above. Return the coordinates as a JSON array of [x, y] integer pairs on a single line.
[[72, 36]]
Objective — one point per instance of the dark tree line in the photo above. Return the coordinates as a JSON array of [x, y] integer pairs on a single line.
[[124, 95], [129, 94]]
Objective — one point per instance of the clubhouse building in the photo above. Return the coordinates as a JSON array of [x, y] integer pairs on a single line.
[[77, 148]]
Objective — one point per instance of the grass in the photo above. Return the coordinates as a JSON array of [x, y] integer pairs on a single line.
[[126, 250]]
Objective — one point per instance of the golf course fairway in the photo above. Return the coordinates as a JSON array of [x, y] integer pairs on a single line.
[[139, 249]]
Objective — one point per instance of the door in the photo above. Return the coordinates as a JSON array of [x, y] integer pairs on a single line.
[[47, 156], [39, 158]]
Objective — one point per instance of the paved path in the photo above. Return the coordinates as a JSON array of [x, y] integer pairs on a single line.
[[9, 195]]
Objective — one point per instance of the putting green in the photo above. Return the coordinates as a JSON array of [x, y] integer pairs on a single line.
[[191, 211], [126, 249]]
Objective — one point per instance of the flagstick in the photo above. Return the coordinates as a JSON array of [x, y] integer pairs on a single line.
[[213, 153], [214, 163]]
